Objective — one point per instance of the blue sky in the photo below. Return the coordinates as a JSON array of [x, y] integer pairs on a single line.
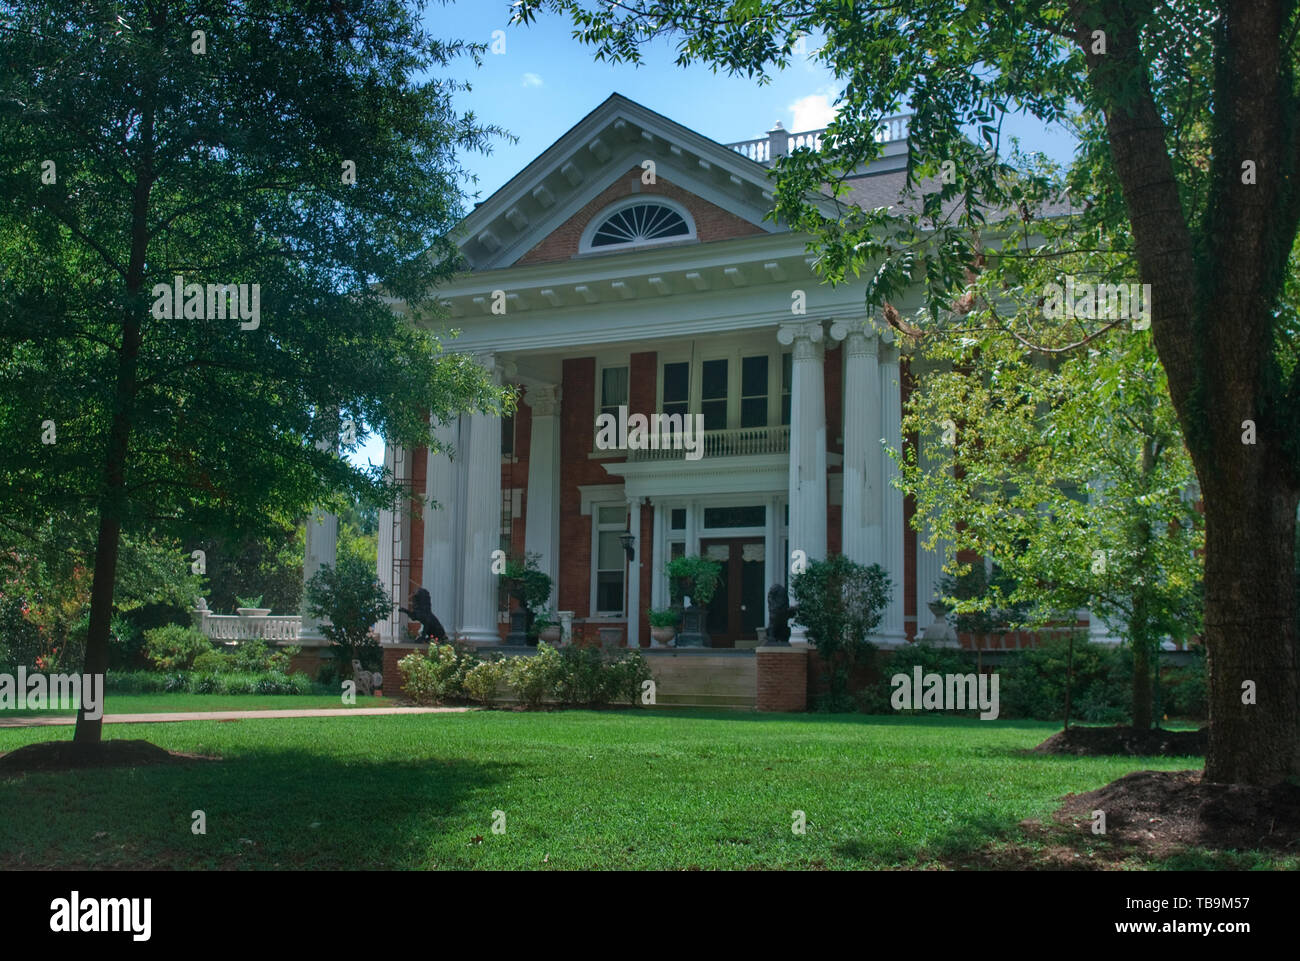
[[545, 82]]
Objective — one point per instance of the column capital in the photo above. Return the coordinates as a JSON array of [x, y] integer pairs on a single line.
[[544, 399], [860, 338], [792, 330]]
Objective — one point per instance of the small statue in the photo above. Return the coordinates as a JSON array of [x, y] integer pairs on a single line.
[[779, 614], [367, 681], [421, 611]]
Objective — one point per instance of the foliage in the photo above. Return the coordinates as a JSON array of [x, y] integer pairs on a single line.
[[1072, 477], [352, 600], [699, 574], [174, 648], [986, 593], [197, 423], [528, 584], [252, 656], [664, 617], [875, 698], [273, 563], [437, 675], [253, 602], [534, 677], [1033, 685], [840, 602], [482, 681]]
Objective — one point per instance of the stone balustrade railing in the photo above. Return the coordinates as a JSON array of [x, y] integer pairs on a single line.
[[780, 142], [232, 627]]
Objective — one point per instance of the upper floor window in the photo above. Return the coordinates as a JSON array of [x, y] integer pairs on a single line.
[[636, 222]]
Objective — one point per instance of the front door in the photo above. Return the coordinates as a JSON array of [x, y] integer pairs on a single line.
[[736, 611]]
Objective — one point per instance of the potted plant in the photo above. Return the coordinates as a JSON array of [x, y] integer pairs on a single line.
[[528, 585], [251, 606], [546, 624], [663, 624], [694, 577]]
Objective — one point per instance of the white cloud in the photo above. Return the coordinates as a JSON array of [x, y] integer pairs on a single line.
[[532, 80], [813, 111]]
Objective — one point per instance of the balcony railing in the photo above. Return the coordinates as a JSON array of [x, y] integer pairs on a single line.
[[738, 442], [780, 141]]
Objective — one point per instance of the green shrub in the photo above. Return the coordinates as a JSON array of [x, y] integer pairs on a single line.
[[875, 699], [173, 647], [255, 656], [213, 662], [626, 676], [1184, 692], [534, 677], [482, 680], [840, 602], [1033, 683], [436, 676]]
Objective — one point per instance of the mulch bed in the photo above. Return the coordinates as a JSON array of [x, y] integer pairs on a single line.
[[1102, 741], [70, 756], [1163, 810]]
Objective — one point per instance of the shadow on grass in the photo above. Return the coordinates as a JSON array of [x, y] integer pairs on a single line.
[[263, 809]]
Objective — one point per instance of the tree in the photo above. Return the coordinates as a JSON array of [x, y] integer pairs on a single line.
[[840, 602], [1187, 115], [205, 214], [1080, 500], [352, 600]]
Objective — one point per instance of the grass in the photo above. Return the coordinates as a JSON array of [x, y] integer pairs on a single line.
[[579, 789], [163, 703]]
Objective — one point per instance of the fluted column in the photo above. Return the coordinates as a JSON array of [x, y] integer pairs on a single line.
[[482, 519], [807, 444], [542, 514], [389, 548], [634, 574], [320, 549], [891, 538], [442, 553], [860, 519]]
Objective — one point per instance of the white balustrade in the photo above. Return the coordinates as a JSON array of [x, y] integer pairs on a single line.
[[231, 627], [737, 442]]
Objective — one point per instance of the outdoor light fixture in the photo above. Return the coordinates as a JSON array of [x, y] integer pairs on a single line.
[[628, 539]]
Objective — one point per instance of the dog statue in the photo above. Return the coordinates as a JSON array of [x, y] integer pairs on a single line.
[[421, 611]]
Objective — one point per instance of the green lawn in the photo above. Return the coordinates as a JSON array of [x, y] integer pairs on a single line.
[[166, 703], [580, 789]]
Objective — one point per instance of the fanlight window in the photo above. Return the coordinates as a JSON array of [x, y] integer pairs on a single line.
[[638, 224]]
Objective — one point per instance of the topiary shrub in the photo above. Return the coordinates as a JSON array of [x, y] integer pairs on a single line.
[[174, 648]]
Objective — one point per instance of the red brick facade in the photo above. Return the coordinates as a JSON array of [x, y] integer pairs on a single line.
[[711, 221], [782, 679]]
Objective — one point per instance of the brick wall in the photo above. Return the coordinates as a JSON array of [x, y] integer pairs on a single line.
[[782, 682], [711, 221], [419, 474]]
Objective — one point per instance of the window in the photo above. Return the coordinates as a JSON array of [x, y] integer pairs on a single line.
[[613, 389], [611, 522], [787, 382], [753, 391], [713, 394], [677, 389], [639, 222], [678, 519], [508, 435], [735, 516]]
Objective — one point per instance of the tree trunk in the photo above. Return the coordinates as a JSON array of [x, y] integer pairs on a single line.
[[1250, 634]]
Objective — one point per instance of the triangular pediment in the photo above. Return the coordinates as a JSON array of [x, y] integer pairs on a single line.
[[536, 216]]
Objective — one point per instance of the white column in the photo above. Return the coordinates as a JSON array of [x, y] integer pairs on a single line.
[[442, 554], [657, 599], [634, 574], [807, 444], [320, 549], [929, 563], [891, 539], [774, 565], [384, 562], [860, 520], [482, 510], [542, 516]]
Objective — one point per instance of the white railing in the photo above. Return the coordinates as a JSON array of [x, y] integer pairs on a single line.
[[780, 142], [738, 442], [232, 627]]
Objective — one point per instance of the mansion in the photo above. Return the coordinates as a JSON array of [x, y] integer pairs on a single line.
[[631, 269]]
